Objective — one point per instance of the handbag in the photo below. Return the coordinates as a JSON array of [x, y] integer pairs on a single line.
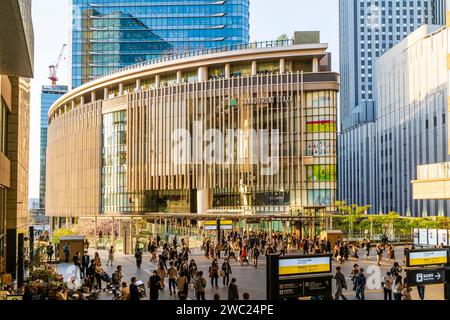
[[222, 273]]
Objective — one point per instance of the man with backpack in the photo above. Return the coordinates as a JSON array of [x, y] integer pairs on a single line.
[[340, 284], [199, 286]]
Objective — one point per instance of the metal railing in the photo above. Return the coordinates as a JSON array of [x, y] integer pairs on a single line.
[[200, 52]]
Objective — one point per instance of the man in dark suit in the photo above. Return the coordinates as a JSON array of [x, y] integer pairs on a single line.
[[85, 260], [134, 291]]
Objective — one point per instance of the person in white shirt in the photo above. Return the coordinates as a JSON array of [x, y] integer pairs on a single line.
[[387, 283]]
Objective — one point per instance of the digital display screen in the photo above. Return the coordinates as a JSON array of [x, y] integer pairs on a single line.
[[307, 265], [428, 258]]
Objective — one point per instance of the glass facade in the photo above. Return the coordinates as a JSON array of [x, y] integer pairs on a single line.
[[49, 95], [110, 35], [114, 158], [264, 193]]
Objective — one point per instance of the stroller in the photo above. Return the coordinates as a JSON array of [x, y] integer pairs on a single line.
[[110, 288]]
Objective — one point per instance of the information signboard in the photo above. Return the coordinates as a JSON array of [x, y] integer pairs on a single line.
[[296, 287], [301, 265], [422, 258], [443, 237], [416, 235], [298, 276], [423, 237], [212, 225], [425, 276], [432, 237]]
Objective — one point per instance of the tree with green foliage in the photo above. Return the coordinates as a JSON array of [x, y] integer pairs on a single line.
[[351, 214], [63, 232]]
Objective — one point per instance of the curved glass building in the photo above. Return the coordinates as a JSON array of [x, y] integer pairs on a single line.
[[246, 127]]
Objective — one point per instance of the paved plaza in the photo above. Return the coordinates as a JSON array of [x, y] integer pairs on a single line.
[[248, 278]]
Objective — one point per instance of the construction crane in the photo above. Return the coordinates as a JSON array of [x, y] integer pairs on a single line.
[[54, 67]]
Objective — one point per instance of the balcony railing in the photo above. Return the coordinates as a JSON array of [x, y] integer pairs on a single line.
[[200, 52]]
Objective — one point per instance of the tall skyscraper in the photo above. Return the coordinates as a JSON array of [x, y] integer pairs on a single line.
[[107, 36], [49, 95], [16, 67], [368, 29]]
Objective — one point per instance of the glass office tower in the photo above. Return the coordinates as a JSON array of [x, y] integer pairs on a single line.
[[49, 95], [110, 35]]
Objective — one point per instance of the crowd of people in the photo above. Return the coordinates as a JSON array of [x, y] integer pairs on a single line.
[[176, 271]]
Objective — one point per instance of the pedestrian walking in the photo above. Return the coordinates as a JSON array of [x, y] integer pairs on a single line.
[[340, 284], [255, 255], [379, 251], [199, 286], [226, 270], [134, 290], [138, 256], [182, 285], [421, 292], [233, 293], [154, 285], [110, 256], [214, 273], [406, 292], [50, 252], [360, 284], [355, 272], [387, 282], [397, 288], [172, 274], [66, 250]]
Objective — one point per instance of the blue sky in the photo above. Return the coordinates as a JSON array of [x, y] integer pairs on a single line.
[[268, 20]]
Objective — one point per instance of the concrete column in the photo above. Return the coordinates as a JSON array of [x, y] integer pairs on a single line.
[[227, 71], [93, 96], [203, 200], [315, 65], [179, 77], [138, 84], [202, 74], [254, 68], [157, 80], [282, 66], [120, 89], [105, 93]]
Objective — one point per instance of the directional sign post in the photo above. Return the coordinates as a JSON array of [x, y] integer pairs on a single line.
[[290, 277], [429, 266], [425, 276]]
